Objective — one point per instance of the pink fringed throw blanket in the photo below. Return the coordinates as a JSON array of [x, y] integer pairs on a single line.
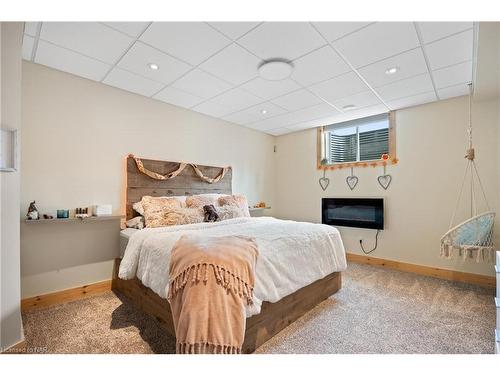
[[211, 280]]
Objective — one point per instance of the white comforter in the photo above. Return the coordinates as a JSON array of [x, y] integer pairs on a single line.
[[291, 254]]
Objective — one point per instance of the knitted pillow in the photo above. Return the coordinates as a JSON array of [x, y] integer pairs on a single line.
[[198, 201], [230, 212], [156, 208], [239, 201]]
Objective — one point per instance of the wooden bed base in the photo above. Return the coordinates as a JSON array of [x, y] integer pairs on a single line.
[[259, 328]]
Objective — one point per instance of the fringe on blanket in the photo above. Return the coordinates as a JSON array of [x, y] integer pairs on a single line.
[[479, 254], [206, 348], [225, 278]]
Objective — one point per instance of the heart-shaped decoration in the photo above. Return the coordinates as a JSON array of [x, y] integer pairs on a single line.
[[352, 181], [324, 182], [385, 180]]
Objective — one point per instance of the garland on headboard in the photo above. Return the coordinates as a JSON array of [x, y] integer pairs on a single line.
[[175, 173]]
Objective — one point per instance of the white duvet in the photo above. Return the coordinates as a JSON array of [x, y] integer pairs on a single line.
[[291, 254]]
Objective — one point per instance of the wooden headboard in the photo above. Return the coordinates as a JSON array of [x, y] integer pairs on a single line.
[[186, 183]]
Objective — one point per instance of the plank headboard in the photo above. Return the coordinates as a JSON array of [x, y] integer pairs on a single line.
[[186, 183]]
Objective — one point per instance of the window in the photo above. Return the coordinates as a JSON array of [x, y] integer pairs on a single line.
[[357, 141]]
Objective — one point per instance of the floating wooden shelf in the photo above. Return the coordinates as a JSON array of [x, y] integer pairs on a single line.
[[76, 219], [258, 208]]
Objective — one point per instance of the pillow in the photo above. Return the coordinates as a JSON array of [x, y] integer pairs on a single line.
[[176, 216], [198, 201], [156, 208], [137, 206], [230, 212], [137, 222], [235, 201]]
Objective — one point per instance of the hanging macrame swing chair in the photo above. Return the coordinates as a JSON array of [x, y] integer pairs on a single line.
[[472, 239]]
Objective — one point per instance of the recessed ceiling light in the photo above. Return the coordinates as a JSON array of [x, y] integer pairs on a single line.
[[153, 66], [264, 111], [392, 70], [349, 107], [275, 70]]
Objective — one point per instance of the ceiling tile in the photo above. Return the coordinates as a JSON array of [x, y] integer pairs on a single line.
[[452, 91], [236, 99], [69, 61], [336, 30], [409, 64], [431, 31], [28, 43], [306, 114], [133, 29], [318, 66], [201, 84], [339, 87], [297, 100], [233, 64], [189, 41], [406, 87], [450, 51], [270, 89], [377, 41], [89, 38], [254, 113], [140, 55], [360, 100], [178, 97], [234, 30], [412, 101], [286, 40], [132, 82], [31, 28], [211, 109], [452, 75]]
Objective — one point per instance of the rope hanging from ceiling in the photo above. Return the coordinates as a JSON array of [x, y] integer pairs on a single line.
[[472, 238]]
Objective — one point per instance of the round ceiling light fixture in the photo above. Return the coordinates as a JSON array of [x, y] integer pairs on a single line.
[[275, 70], [349, 107], [392, 70], [153, 66]]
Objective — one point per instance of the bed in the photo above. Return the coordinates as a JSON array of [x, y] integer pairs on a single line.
[[299, 264]]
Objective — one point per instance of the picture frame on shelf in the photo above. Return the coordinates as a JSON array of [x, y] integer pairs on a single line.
[[8, 150]]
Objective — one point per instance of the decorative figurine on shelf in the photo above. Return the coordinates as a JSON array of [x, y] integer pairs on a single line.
[[260, 205], [32, 212], [47, 217]]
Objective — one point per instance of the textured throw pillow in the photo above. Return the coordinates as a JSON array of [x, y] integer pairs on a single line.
[[239, 201], [198, 201], [137, 222], [137, 206], [156, 208], [230, 212]]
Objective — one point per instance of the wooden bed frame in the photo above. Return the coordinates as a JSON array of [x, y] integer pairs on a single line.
[[273, 316]]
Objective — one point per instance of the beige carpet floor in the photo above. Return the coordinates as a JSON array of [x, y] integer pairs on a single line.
[[376, 311]]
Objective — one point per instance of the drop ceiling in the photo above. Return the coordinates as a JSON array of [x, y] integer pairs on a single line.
[[211, 67]]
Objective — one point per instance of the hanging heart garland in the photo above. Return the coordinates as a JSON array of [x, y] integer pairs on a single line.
[[352, 180], [324, 181], [384, 180]]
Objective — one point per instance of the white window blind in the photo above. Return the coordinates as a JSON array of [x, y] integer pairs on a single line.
[[358, 140]]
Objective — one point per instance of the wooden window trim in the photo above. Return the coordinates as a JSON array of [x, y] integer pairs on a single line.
[[355, 164]]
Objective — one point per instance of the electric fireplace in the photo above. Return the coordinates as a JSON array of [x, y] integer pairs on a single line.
[[353, 212]]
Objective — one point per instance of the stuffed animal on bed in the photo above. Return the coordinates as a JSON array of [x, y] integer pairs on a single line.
[[210, 213]]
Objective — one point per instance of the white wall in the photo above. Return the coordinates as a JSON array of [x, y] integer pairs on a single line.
[[76, 136], [10, 111], [431, 142]]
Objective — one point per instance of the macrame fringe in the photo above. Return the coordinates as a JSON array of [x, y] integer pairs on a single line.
[[206, 348], [225, 278], [479, 254]]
